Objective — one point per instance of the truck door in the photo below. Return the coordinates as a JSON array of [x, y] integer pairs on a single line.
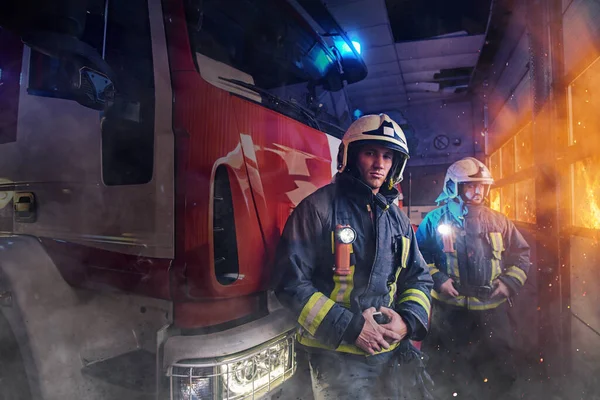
[[103, 188], [11, 53]]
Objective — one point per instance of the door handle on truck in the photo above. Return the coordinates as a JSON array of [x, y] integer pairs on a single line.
[[25, 207]]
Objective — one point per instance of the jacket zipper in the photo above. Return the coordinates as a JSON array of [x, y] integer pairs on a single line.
[[375, 221]]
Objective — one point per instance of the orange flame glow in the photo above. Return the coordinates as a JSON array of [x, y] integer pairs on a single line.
[[588, 179], [495, 200]]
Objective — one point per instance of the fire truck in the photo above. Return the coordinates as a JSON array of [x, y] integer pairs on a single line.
[[151, 152]]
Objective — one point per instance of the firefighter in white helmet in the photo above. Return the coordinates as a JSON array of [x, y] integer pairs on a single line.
[[478, 261], [347, 254]]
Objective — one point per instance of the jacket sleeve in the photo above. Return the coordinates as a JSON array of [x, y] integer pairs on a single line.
[[414, 291], [296, 261], [426, 239], [516, 259]]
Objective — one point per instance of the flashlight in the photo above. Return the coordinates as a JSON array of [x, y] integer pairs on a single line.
[[447, 238], [344, 237], [444, 229], [346, 234]]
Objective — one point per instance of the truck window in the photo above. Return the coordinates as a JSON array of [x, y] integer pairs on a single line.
[[270, 47], [50, 77], [11, 53], [128, 159], [120, 31]]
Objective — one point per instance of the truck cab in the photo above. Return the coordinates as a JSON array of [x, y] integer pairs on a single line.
[[154, 151]]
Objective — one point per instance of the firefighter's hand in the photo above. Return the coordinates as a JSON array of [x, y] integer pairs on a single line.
[[448, 288], [501, 289], [371, 338], [396, 324]]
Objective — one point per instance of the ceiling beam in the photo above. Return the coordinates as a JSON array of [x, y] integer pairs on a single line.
[[437, 63], [384, 81], [395, 97], [440, 47], [376, 90]]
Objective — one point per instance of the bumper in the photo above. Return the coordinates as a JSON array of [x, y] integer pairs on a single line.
[[248, 361]]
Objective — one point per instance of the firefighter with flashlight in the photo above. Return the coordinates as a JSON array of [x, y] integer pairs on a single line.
[[478, 261], [350, 270]]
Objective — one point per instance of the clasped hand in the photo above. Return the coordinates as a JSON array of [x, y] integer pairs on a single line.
[[374, 337]]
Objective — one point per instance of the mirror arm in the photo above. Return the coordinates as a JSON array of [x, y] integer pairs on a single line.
[[65, 46]]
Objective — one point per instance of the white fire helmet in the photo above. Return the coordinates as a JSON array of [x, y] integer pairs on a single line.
[[379, 129], [468, 169]]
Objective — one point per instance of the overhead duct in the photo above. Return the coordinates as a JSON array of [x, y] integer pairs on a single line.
[[422, 87]]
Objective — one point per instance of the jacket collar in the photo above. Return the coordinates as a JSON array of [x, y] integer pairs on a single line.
[[358, 190], [459, 210]]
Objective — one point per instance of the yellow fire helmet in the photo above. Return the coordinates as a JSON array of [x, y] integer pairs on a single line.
[[376, 129], [468, 169]]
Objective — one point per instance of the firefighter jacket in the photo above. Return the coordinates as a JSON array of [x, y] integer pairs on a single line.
[[387, 268], [476, 247]]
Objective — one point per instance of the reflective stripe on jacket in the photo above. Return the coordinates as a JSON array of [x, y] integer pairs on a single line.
[[386, 267], [486, 246]]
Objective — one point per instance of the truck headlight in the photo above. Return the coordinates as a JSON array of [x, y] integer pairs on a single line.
[[246, 375], [189, 383]]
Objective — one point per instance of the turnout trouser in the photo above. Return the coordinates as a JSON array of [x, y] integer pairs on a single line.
[[395, 375], [471, 352]]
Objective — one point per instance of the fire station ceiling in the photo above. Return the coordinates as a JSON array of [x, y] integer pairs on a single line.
[[416, 51]]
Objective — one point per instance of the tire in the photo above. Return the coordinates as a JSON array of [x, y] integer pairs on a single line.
[[14, 384]]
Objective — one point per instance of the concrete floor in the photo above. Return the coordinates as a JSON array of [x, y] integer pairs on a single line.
[[532, 384]]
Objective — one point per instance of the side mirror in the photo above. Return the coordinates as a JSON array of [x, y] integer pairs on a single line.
[[352, 67], [62, 64], [69, 79], [332, 81], [352, 63], [94, 89]]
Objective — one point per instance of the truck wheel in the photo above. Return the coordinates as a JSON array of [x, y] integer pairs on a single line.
[[13, 376]]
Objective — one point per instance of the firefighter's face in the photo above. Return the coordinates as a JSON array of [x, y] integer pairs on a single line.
[[472, 193], [374, 162]]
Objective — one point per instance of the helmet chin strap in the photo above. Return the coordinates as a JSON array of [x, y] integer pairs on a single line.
[[393, 171]]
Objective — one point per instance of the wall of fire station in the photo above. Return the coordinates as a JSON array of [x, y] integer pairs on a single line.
[[582, 49], [510, 156], [438, 134]]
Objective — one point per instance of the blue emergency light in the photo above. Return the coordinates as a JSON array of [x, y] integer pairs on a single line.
[[345, 49]]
